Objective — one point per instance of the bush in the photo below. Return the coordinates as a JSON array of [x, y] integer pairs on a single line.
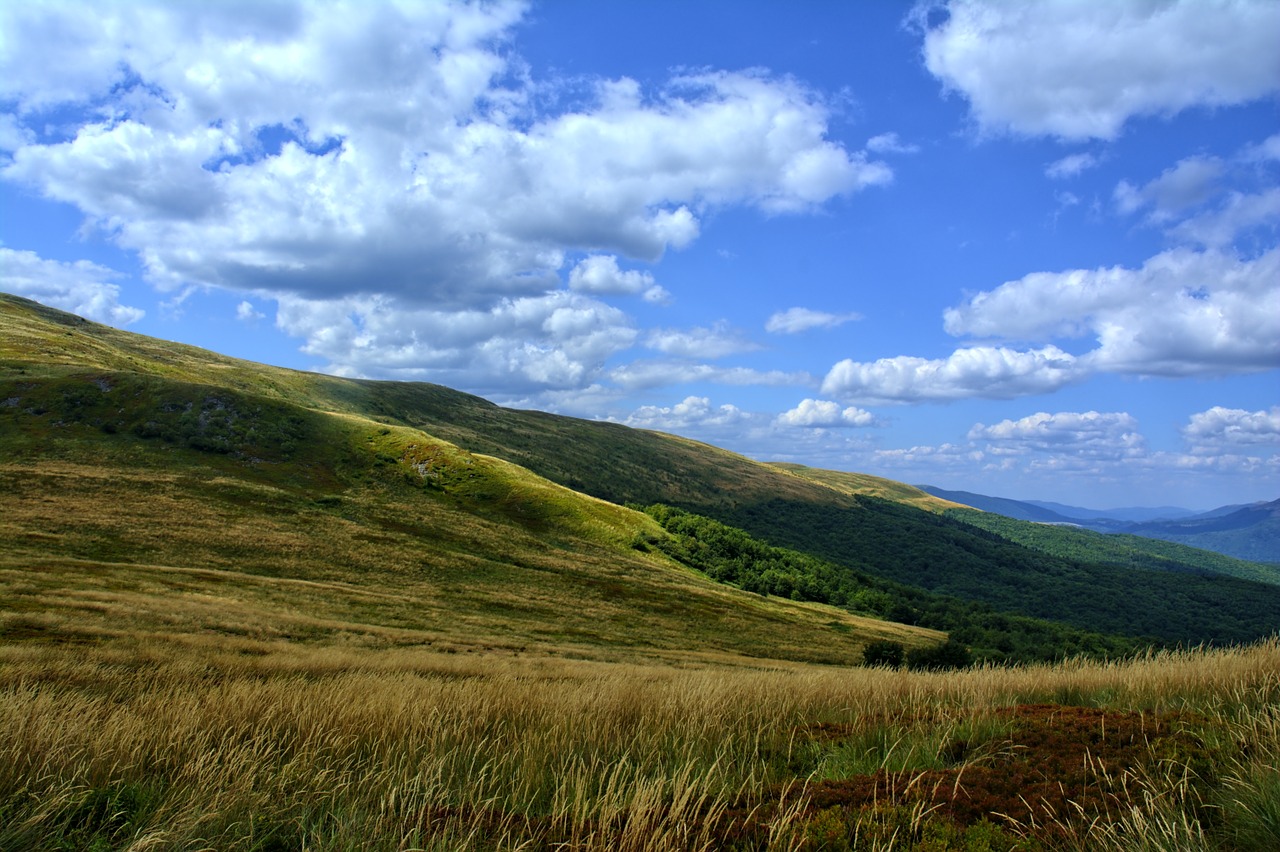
[[884, 653], [949, 655]]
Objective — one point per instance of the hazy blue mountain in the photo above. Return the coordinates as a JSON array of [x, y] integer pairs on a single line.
[[1133, 514], [1018, 509], [1244, 531], [1249, 532]]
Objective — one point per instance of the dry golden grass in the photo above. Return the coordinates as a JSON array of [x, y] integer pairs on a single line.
[[196, 743], [97, 550], [873, 486]]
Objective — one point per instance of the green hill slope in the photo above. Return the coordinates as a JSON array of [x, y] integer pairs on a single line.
[[141, 496], [193, 392], [871, 486]]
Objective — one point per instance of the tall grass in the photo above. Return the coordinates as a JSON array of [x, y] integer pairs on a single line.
[[183, 746]]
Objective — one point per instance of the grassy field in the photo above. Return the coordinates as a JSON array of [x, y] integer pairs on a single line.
[[245, 608], [204, 742]]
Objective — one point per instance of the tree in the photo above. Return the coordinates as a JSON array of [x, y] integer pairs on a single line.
[[949, 655], [884, 653]]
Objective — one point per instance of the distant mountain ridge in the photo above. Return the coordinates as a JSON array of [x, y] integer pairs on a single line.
[[1021, 510], [1249, 532], [1133, 514]]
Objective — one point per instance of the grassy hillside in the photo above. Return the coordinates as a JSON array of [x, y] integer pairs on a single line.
[[261, 611], [240, 412], [871, 486], [135, 503]]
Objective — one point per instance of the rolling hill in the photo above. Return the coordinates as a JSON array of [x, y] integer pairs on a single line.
[[135, 470], [150, 489]]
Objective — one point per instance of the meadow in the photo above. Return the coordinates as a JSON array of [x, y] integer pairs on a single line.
[[191, 742], [244, 608]]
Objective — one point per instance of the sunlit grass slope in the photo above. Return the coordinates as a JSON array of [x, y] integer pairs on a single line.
[[872, 486], [161, 502]]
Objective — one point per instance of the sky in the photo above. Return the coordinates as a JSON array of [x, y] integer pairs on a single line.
[[1027, 250]]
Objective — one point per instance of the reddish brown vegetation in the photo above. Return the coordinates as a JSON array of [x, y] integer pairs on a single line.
[[1057, 762]]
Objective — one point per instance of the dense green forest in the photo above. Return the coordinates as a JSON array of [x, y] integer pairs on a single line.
[[943, 555], [730, 555], [1127, 551]]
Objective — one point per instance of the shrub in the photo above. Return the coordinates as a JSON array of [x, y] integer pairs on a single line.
[[884, 653]]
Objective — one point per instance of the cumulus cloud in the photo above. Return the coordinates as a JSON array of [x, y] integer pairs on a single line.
[[716, 342], [1239, 213], [1182, 313], [553, 341], [376, 166], [600, 274], [246, 312], [1082, 70], [639, 375], [796, 320], [1268, 149], [693, 413], [889, 143], [1220, 427], [1070, 166], [81, 287], [979, 371], [827, 414], [928, 460], [1091, 434], [1189, 183]]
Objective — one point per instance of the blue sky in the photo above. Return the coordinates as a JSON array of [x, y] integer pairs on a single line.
[[1023, 249]]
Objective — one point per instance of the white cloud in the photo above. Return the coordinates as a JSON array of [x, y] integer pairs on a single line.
[[377, 166], [1182, 313], [1089, 434], [824, 413], [1082, 70], [979, 371], [694, 412], [928, 460], [1189, 183], [81, 287], [246, 312], [889, 143], [1268, 149], [1070, 166], [639, 375], [600, 274], [1239, 213], [716, 342], [1220, 427], [796, 320], [554, 341], [12, 134]]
